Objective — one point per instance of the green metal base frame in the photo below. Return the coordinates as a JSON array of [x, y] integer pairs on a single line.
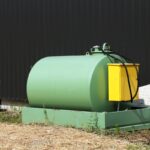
[[124, 120]]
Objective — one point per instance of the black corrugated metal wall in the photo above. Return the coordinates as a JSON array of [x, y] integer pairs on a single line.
[[32, 29]]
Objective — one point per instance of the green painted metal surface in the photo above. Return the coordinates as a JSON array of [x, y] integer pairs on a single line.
[[78, 119], [70, 82], [132, 127], [128, 117], [125, 120]]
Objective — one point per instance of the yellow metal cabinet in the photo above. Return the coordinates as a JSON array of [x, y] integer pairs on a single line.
[[118, 83]]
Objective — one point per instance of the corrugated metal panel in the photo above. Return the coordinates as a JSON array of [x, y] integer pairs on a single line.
[[32, 29]]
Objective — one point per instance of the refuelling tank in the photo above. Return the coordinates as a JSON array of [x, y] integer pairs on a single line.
[[70, 82]]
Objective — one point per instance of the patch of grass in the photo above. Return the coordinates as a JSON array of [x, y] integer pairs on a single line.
[[138, 139], [138, 147], [10, 116], [102, 131]]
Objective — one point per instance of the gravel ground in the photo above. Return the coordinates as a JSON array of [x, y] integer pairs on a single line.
[[36, 137]]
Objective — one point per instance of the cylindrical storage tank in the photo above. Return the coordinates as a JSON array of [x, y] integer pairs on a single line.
[[70, 82]]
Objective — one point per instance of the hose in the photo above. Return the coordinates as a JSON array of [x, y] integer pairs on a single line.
[[111, 54]]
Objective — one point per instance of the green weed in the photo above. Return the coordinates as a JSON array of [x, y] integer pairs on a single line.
[[10, 116]]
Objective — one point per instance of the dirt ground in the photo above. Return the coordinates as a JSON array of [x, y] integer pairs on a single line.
[[38, 137]]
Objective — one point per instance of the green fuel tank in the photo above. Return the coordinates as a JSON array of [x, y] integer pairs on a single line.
[[70, 82]]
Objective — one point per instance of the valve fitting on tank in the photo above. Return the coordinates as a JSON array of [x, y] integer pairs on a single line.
[[98, 49], [106, 47]]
